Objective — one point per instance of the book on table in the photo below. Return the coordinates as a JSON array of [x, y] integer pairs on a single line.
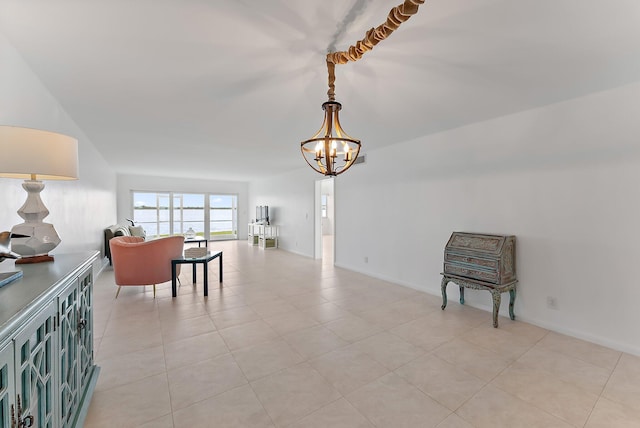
[[7, 277]]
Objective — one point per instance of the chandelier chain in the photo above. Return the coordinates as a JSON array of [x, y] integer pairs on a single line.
[[396, 17]]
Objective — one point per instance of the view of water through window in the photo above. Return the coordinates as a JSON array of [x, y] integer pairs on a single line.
[[209, 215]]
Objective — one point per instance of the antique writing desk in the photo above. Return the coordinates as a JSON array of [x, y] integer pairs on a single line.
[[481, 262]]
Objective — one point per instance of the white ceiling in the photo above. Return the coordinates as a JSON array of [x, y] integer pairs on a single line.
[[227, 89]]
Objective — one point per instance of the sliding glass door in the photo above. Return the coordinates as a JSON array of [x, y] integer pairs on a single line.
[[151, 211], [188, 212], [214, 216], [223, 216]]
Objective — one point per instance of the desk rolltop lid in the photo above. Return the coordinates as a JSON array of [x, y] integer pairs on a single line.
[[485, 257]]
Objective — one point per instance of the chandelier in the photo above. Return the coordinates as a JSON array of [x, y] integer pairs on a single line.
[[331, 151]]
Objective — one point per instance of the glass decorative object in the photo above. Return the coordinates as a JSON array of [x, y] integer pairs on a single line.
[[190, 233]]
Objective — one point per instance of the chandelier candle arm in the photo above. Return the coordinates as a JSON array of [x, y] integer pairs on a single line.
[[331, 151]]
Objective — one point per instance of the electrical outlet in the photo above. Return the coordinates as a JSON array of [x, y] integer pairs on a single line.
[[552, 303], [366, 259]]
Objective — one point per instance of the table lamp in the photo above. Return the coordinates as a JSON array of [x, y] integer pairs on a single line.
[[36, 155]]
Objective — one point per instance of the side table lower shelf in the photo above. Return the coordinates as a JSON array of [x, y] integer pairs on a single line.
[[495, 289]]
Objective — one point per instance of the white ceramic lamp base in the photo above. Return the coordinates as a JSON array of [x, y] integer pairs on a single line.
[[41, 237]]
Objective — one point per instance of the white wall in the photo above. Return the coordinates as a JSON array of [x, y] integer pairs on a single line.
[[290, 198], [80, 209], [129, 183], [564, 179]]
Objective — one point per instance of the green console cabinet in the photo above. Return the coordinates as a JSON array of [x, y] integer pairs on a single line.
[[47, 373]]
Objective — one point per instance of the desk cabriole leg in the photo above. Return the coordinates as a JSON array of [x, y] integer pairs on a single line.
[[512, 300], [496, 306], [443, 286]]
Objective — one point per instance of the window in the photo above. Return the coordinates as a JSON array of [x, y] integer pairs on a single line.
[[151, 211], [222, 215], [209, 215], [188, 212]]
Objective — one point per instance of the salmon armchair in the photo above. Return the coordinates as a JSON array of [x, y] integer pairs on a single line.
[[140, 262]]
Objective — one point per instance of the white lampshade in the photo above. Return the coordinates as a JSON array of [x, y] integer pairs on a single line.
[[48, 155], [36, 155]]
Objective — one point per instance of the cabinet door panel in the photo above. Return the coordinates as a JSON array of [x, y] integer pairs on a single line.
[[85, 320], [34, 349], [6, 385], [68, 385]]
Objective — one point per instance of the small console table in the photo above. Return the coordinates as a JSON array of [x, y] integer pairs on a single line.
[[263, 235], [481, 262]]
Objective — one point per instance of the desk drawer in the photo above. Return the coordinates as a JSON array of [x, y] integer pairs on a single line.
[[470, 272], [481, 263]]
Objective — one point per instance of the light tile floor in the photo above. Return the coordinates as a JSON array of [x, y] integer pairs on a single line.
[[290, 341]]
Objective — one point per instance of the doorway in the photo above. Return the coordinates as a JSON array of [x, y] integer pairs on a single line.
[[325, 221]]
